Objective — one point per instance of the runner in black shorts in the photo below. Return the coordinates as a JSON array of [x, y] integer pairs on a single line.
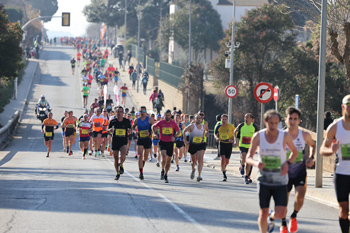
[[120, 128], [47, 128]]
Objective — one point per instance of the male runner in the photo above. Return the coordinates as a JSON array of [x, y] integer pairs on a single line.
[[337, 142], [86, 92], [166, 128], [97, 121], [72, 62], [273, 167], [105, 134], [155, 142], [297, 170], [120, 127], [84, 137], [224, 135], [69, 126], [144, 143], [124, 90], [78, 58], [244, 132], [196, 145], [65, 114], [47, 128], [206, 128], [180, 145]]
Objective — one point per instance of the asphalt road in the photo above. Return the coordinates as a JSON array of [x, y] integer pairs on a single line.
[[68, 194]]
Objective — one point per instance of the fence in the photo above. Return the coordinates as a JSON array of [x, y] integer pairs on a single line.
[[141, 53], [170, 74], [150, 66], [8, 130]]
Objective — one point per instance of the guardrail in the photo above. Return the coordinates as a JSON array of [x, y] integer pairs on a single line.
[[8, 130]]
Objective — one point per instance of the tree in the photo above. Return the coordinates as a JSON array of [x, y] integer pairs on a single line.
[[10, 51], [206, 26], [14, 14], [338, 26], [46, 7]]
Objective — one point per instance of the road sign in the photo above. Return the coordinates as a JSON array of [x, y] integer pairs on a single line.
[[263, 93], [276, 94], [65, 19], [231, 91]]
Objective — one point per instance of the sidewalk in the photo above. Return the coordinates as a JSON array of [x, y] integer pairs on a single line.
[[324, 195], [22, 93]]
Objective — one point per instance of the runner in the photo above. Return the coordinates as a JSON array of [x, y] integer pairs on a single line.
[[120, 127], [116, 76], [180, 146], [78, 58], [156, 152], [166, 128], [144, 143], [244, 132], [86, 92], [72, 62], [224, 135], [196, 145], [84, 137], [186, 123], [297, 170], [337, 142], [47, 128], [105, 134], [273, 167], [206, 128], [65, 114], [69, 126], [133, 136], [97, 121], [124, 90], [218, 122]]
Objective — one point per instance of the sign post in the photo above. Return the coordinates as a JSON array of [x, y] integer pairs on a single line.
[[263, 93], [276, 92], [297, 101]]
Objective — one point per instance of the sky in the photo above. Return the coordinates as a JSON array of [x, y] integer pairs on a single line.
[[78, 22]]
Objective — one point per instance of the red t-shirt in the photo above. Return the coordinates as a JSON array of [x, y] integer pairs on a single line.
[[90, 78], [166, 129]]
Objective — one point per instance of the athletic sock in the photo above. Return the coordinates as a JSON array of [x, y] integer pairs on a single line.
[[141, 170], [344, 225], [294, 214], [284, 223], [224, 173], [85, 151]]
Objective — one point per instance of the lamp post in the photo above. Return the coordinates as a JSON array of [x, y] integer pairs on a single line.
[[138, 45], [125, 27]]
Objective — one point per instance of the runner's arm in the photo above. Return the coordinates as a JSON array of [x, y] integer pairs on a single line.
[[294, 152], [251, 152], [328, 148]]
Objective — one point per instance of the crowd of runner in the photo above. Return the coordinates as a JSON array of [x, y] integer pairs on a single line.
[[281, 160]]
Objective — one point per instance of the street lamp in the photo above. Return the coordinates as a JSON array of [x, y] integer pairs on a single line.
[[138, 45]]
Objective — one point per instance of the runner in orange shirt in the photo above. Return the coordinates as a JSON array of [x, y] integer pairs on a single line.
[[47, 128]]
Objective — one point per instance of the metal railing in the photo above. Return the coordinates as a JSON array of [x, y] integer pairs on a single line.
[[150, 66], [8, 130], [170, 74]]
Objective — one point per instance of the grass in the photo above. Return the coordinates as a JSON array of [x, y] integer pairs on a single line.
[[7, 87]]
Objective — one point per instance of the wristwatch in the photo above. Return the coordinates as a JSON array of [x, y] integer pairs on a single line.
[[288, 162]]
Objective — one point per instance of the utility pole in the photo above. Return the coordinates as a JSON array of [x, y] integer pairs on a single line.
[[230, 120], [321, 95], [138, 45], [125, 28], [190, 35]]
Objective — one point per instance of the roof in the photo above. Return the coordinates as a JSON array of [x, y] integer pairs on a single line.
[[242, 2]]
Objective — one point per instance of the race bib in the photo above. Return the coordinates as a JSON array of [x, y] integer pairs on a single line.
[[246, 140], [272, 163], [224, 137], [143, 134], [299, 158], [167, 131], [104, 128], [197, 140], [97, 124], [120, 132], [70, 126], [84, 131], [48, 134], [345, 151]]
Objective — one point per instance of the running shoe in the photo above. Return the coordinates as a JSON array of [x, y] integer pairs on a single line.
[[83, 158], [217, 158], [136, 156], [155, 155], [111, 153], [166, 179], [90, 153], [246, 180], [172, 161], [150, 159], [70, 153], [271, 223], [293, 225], [283, 229], [141, 176], [177, 168], [108, 149], [250, 180], [162, 175], [185, 159], [95, 153], [102, 154], [117, 177], [192, 174], [199, 178], [121, 169], [225, 179], [242, 170], [47, 155], [67, 149], [99, 153], [158, 164]]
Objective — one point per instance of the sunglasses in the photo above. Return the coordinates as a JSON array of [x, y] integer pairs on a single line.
[[347, 103], [201, 114], [142, 111]]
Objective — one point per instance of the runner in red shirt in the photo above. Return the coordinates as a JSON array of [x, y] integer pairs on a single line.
[[110, 70], [78, 58], [124, 90], [167, 129]]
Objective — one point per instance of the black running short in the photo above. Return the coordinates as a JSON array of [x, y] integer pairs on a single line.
[[95, 133], [168, 147], [132, 136], [145, 142], [277, 192], [117, 143], [300, 180], [243, 149], [194, 148], [179, 144], [225, 149], [104, 135], [69, 132], [48, 138], [342, 187]]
